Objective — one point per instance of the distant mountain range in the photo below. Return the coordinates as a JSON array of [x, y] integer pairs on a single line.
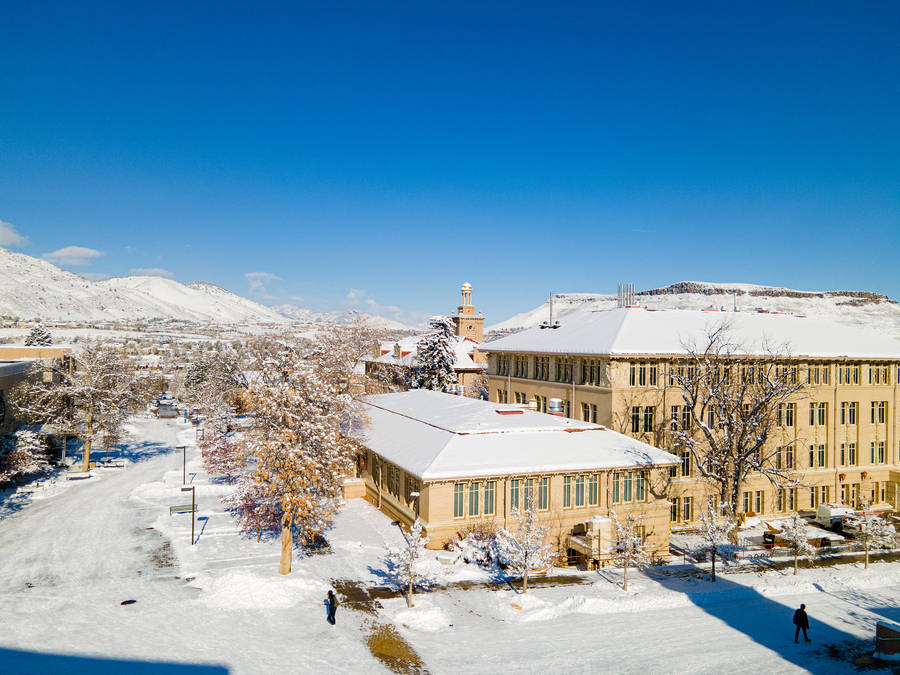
[[32, 288], [860, 308], [306, 315]]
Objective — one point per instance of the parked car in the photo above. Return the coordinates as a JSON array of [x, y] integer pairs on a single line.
[[832, 515], [165, 411]]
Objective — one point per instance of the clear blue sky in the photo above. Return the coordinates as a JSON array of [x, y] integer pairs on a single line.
[[399, 149]]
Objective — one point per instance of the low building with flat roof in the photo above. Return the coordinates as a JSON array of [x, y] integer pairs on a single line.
[[454, 461]]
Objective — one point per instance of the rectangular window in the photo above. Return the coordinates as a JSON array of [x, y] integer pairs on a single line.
[[759, 501], [592, 490], [673, 509], [567, 491], [458, 503], [616, 477], [685, 417], [640, 486], [747, 508], [851, 453], [779, 499], [674, 418], [528, 494], [648, 418], [813, 497], [792, 499], [879, 457], [687, 512], [812, 414], [789, 411], [579, 491], [685, 463], [474, 489], [789, 457], [514, 493], [821, 455], [490, 490], [626, 486], [812, 456], [544, 494], [635, 419], [651, 375]]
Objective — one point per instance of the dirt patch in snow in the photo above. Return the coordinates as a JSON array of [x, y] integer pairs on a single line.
[[389, 647], [163, 557]]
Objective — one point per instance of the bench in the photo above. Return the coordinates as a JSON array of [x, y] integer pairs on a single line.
[[77, 475], [183, 508]]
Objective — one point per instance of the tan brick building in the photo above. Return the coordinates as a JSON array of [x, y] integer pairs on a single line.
[[454, 461], [613, 367]]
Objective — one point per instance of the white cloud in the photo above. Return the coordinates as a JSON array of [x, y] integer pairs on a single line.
[[258, 282], [151, 272], [73, 255], [9, 236]]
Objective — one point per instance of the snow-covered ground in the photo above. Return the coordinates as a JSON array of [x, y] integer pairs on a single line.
[[73, 553]]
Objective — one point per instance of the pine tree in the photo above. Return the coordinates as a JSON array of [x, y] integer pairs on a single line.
[[405, 562], [22, 453], [436, 359], [796, 534], [88, 396], [524, 550], [38, 337], [872, 532], [629, 548], [715, 532]]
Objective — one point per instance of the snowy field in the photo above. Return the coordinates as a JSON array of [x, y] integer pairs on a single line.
[[74, 551]]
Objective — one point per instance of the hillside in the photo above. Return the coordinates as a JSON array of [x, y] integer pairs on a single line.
[[859, 308], [306, 315], [34, 288]]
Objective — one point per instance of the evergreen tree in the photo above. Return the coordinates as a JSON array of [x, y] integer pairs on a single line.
[[436, 359], [38, 337], [21, 454]]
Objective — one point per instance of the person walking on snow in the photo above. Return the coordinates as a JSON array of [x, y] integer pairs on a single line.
[[801, 621], [332, 607]]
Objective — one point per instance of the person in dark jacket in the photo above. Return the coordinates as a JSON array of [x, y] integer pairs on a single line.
[[801, 621], [332, 607]]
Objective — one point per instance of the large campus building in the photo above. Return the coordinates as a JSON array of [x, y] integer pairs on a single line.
[[613, 367], [454, 461]]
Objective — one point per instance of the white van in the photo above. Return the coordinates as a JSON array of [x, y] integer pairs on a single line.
[[829, 515]]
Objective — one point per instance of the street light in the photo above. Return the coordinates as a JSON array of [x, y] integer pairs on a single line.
[[193, 508], [183, 463]]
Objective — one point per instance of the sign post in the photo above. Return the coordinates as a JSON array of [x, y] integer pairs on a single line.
[[193, 508], [183, 449]]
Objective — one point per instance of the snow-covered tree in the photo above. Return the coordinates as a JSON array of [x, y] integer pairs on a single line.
[[22, 453], [255, 510], [872, 531], [223, 455], [302, 456], [406, 561], [214, 384], [715, 532], [524, 550], [38, 337], [88, 395], [732, 399], [796, 534], [477, 543], [629, 547], [436, 358]]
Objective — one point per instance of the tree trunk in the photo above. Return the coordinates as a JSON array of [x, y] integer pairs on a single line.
[[86, 458], [625, 578], [410, 600], [525, 581], [867, 556], [286, 544], [714, 563]]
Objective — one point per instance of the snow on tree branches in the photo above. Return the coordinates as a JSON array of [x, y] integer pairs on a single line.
[[38, 337], [715, 532], [223, 455], [872, 531], [732, 402], [436, 360], [524, 550], [302, 457], [87, 397], [629, 548], [255, 510], [22, 453], [214, 384], [796, 535], [405, 563]]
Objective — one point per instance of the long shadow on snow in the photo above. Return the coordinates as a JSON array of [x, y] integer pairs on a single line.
[[16, 662], [762, 619]]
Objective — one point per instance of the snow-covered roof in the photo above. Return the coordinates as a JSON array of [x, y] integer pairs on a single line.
[[639, 331], [464, 349], [440, 436]]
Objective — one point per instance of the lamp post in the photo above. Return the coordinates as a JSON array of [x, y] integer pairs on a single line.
[[183, 449], [193, 508]]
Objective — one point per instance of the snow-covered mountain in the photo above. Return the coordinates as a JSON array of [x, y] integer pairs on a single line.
[[859, 308], [306, 315], [34, 288]]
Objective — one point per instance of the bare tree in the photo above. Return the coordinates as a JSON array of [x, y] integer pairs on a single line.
[[524, 550], [872, 531], [796, 534], [715, 532], [732, 399], [629, 547], [406, 560], [87, 396]]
